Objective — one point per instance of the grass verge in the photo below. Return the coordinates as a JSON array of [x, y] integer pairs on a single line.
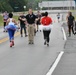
[[1, 19]]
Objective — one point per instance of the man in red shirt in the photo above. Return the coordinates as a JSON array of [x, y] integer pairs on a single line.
[[46, 22]]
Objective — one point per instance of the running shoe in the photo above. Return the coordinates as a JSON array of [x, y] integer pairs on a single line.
[[45, 43], [11, 44]]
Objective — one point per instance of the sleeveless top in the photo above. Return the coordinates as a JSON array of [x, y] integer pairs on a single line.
[[11, 25]]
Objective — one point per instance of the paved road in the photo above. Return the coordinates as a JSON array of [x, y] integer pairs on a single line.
[[67, 64], [24, 59], [2, 34]]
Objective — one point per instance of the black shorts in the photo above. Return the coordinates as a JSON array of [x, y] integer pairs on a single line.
[[58, 17], [38, 22]]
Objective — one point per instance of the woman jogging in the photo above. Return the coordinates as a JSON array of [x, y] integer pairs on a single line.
[[11, 27], [46, 22]]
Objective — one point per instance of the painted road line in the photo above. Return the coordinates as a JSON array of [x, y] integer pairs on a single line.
[[64, 34], [5, 39], [55, 63]]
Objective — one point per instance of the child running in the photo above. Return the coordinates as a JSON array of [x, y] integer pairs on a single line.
[[11, 27]]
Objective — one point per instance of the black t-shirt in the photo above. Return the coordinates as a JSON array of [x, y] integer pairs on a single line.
[[70, 20], [21, 21], [30, 18], [39, 18]]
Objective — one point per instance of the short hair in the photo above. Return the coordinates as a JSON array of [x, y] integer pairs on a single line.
[[70, 13], [43, 14], [46, 13], [10, 15]]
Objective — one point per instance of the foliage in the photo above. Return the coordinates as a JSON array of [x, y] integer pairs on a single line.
[[18, 5], [12, 5]]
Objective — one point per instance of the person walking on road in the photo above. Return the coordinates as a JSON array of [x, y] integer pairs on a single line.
[[11, 27], [22, 24], [58, 17], [38, 20], [5, 17], [46, 21], [30, 17], [70, 22]]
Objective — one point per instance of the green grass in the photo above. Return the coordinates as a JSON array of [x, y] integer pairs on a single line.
[[16, 18], [1, 19]]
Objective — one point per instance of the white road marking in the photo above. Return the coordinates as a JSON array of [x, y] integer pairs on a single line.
[[64, 34], [55, 63]]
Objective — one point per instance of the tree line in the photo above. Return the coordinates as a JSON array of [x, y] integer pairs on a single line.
[[12, 5], [18, 5]]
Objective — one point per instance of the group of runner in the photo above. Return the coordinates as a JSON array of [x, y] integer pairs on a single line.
[[29, 21]]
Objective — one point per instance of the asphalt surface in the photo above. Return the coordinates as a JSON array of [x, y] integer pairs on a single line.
[[25, 59], [37, 59], [2, 34], [67, 64]]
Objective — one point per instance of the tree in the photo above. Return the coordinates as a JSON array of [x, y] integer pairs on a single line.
[[17, 5], [12, 5], [5, 6]]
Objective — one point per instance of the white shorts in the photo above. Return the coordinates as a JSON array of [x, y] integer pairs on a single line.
[[41, 27]]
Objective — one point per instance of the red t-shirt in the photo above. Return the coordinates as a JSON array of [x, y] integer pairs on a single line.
[[46, 21]]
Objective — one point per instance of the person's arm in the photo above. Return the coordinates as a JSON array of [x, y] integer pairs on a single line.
[[73, 21], [7, 22], [19, 18], [36, 18], [15, 22], [26, 17], [42, 21], [24, 20], [67, 18], [50, 20]]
